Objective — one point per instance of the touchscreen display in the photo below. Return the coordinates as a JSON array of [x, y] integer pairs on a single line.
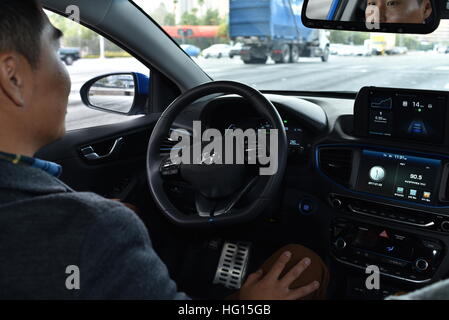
[[414, 117], [399, 176]]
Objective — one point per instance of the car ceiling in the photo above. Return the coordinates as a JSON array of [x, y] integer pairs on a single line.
[[147, 41]]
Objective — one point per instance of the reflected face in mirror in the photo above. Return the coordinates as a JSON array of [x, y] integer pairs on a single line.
[[398, 11]]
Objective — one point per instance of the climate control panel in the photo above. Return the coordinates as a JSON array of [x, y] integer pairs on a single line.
[[398, 254]]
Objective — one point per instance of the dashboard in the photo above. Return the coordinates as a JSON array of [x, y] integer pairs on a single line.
[[377, 166]]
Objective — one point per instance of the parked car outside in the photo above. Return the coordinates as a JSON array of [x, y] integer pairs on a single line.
[[191, 50], [217, 51], [69, 55]]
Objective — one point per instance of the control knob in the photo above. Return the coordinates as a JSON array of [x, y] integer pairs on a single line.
[[340, 244], [421, 264], [336, 203]]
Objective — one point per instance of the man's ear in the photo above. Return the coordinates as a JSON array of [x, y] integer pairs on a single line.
[[427, 7], [12, 79]]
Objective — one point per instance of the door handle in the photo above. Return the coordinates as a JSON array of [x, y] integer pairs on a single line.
[[90, 154]]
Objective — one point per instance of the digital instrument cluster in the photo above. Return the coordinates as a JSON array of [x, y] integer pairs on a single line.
[[295, 134]]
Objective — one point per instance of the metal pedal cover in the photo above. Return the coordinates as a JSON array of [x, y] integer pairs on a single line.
[[232, 265]]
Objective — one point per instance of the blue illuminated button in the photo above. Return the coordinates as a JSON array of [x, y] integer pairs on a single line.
[[306, 207]]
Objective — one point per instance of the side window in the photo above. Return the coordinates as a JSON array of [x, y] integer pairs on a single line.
[[88, 55]]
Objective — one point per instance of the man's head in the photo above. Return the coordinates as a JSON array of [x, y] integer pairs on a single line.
[[399, 11], [34, 84]]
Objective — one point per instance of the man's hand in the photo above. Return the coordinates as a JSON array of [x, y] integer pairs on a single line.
[[269, 287]]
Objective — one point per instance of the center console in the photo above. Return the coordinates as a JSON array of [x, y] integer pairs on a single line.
[[392, 209], [390, 185]]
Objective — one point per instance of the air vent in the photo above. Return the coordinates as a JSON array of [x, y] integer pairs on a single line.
[[336, 163]]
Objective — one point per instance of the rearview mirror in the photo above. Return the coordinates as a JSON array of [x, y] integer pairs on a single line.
[[399, 16], [120, 93]]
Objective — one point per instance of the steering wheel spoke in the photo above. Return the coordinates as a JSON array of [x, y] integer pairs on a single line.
[[208, 208], [204, 206], [226, 206]]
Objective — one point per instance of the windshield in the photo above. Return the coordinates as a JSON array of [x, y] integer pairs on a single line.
[[269, 48]]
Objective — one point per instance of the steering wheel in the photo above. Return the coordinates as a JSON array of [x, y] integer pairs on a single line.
[[217, 187]]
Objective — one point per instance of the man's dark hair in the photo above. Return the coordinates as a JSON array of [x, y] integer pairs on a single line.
[[21, 25]]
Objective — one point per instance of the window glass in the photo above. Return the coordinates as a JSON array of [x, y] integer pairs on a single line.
[[270, 49], [88, 55]]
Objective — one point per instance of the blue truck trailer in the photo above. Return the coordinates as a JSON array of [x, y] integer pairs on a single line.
[[273, 28]]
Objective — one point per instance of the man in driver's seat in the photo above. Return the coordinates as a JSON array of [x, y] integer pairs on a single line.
[[48, 231]]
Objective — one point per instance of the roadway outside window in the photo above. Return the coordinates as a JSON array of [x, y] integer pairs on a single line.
[[235, 40], [88, 55]]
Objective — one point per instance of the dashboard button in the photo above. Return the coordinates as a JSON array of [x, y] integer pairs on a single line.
[[306, 207], [394, 262], [421, 264], [340, 244], [336, 203]]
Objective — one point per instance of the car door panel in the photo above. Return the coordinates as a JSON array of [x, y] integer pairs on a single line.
[[108, 176]]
